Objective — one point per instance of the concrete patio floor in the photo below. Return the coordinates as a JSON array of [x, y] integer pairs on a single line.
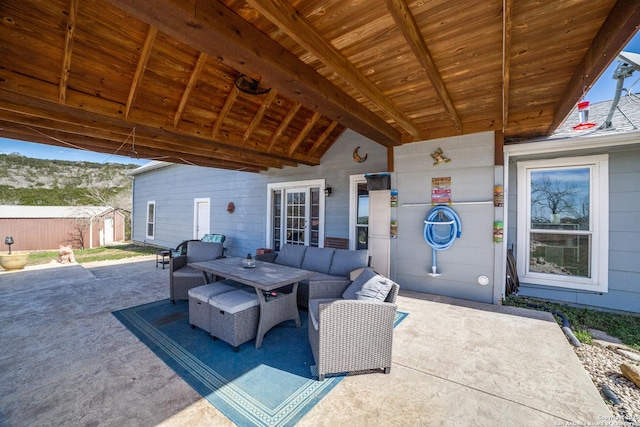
[[66, 360]]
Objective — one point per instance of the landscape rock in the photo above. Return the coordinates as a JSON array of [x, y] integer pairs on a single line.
[[631, 372], [629, 354], [603, 336]]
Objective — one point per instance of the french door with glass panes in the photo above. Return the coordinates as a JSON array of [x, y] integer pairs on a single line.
[[296, 214]]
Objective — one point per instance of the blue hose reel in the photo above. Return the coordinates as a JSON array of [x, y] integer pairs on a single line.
[[441, 228]]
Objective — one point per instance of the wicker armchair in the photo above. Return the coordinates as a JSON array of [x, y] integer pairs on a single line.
[[182, 277], [348, 335]]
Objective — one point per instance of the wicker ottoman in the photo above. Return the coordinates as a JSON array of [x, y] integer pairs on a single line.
[[199, 311], [234, 317]]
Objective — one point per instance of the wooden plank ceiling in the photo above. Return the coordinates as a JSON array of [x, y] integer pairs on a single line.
[[157, 79]]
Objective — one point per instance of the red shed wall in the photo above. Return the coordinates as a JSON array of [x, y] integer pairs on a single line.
[[33, 234]]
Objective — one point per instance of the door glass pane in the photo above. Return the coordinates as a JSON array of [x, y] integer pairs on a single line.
[[296, 219], [560, 199], [314, 229], [277, 219], [362, 227], [560, 253]]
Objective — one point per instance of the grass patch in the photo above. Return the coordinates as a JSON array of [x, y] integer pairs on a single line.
[[623, 326], [102, 253]]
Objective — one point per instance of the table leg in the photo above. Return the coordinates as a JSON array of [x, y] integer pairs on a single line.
[[206, 277], [275, 311]]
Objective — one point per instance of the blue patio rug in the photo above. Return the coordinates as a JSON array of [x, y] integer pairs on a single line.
[[270, 386]]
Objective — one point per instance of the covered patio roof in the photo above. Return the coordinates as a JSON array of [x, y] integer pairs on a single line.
[[251, 85]]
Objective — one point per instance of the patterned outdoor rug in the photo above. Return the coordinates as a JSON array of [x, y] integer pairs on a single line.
[[240, 385]]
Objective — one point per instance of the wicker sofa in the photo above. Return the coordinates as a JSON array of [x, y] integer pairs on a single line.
[[332, 268], [182, 277], [354, 332]]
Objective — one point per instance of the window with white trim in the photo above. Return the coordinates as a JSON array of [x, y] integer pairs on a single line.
[[563, 222], [151, 220]]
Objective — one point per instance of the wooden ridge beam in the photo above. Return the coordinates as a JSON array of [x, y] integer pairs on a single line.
[[211, 27], [401, 13], [615, 33]]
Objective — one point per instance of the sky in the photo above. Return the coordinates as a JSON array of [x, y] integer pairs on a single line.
[[602, 90]]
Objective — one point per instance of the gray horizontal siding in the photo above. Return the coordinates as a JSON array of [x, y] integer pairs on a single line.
[[175, 187], [624, 237], [472, 179]]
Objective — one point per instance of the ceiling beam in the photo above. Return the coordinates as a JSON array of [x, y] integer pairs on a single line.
[[211, 27], [619, 27], [303, 133], [506, 59], [82, 142], [193, 79], [266, 103], [161, 138], [407, 24], [228, 103], [321, 139], [290, 21], [68, 49], [278, 133], [142, 66]]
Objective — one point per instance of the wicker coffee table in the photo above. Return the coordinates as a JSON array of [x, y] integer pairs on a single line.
[[265, 276]]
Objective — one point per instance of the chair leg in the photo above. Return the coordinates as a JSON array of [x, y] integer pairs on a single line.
[[321, 377], [387, 369]]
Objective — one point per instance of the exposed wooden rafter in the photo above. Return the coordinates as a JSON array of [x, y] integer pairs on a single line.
[[278, 133], [321, 139], [507, 7], [407, 24], [30, 112], [620, 26], [142, 66], [193, 80], [258, 116], [287, 18], [303, 133], [68, 49], [211, 27], [228, 103]]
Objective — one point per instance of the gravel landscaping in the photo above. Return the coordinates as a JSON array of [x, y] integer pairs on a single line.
[[603, 365]]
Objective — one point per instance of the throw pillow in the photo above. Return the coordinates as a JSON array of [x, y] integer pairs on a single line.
[[356, 285], [376, 289]]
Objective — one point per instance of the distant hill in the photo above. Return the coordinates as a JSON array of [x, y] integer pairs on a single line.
[[36, 182]]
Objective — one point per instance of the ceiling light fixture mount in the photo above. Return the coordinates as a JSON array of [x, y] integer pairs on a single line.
[[250, 85]]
